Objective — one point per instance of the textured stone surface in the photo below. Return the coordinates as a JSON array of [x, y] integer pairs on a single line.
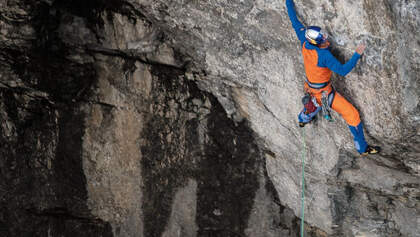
[[178, 118], [182, 220], [251, 58]]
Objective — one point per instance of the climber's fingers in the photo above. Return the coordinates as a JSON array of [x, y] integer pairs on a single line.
[[360, 48]]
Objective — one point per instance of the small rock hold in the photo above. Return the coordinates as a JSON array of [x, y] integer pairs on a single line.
[[197, 102], [217, 212]]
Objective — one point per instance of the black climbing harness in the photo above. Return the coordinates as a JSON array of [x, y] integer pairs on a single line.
[[326, 99]]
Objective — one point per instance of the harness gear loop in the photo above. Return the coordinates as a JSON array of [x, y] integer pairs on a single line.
[[326, 103], [325, 106]]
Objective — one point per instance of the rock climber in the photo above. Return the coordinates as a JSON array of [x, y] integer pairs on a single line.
[[319, 64]]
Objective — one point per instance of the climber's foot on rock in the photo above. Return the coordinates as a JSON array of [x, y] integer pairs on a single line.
[[370, 150]]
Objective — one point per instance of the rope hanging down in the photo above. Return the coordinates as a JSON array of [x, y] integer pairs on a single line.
[[303, 186]]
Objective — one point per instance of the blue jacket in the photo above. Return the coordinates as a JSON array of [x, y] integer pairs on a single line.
[[325, 58]]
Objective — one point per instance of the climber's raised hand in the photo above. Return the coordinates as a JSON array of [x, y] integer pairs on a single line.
[[360, 48]]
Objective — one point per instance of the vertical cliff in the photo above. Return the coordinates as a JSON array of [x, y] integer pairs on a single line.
[[178, 118]]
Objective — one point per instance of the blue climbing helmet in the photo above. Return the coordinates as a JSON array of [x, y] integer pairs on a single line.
[[315, 35]]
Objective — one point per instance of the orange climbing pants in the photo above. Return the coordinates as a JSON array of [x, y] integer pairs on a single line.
[[339, 104]]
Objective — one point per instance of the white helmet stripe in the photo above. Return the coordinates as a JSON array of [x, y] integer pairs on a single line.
[[312, 34]]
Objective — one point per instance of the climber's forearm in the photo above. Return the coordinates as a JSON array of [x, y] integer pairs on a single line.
[[342, 69]]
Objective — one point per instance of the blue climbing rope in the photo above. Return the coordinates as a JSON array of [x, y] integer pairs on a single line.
[[303, 186]]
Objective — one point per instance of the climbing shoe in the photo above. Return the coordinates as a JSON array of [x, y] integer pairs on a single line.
[[302, 124], [371, 150]]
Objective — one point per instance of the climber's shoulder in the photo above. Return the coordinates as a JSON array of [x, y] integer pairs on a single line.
[[325, 55]]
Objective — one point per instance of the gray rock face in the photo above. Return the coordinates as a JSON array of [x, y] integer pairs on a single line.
[[178, 118], [249, 52]]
